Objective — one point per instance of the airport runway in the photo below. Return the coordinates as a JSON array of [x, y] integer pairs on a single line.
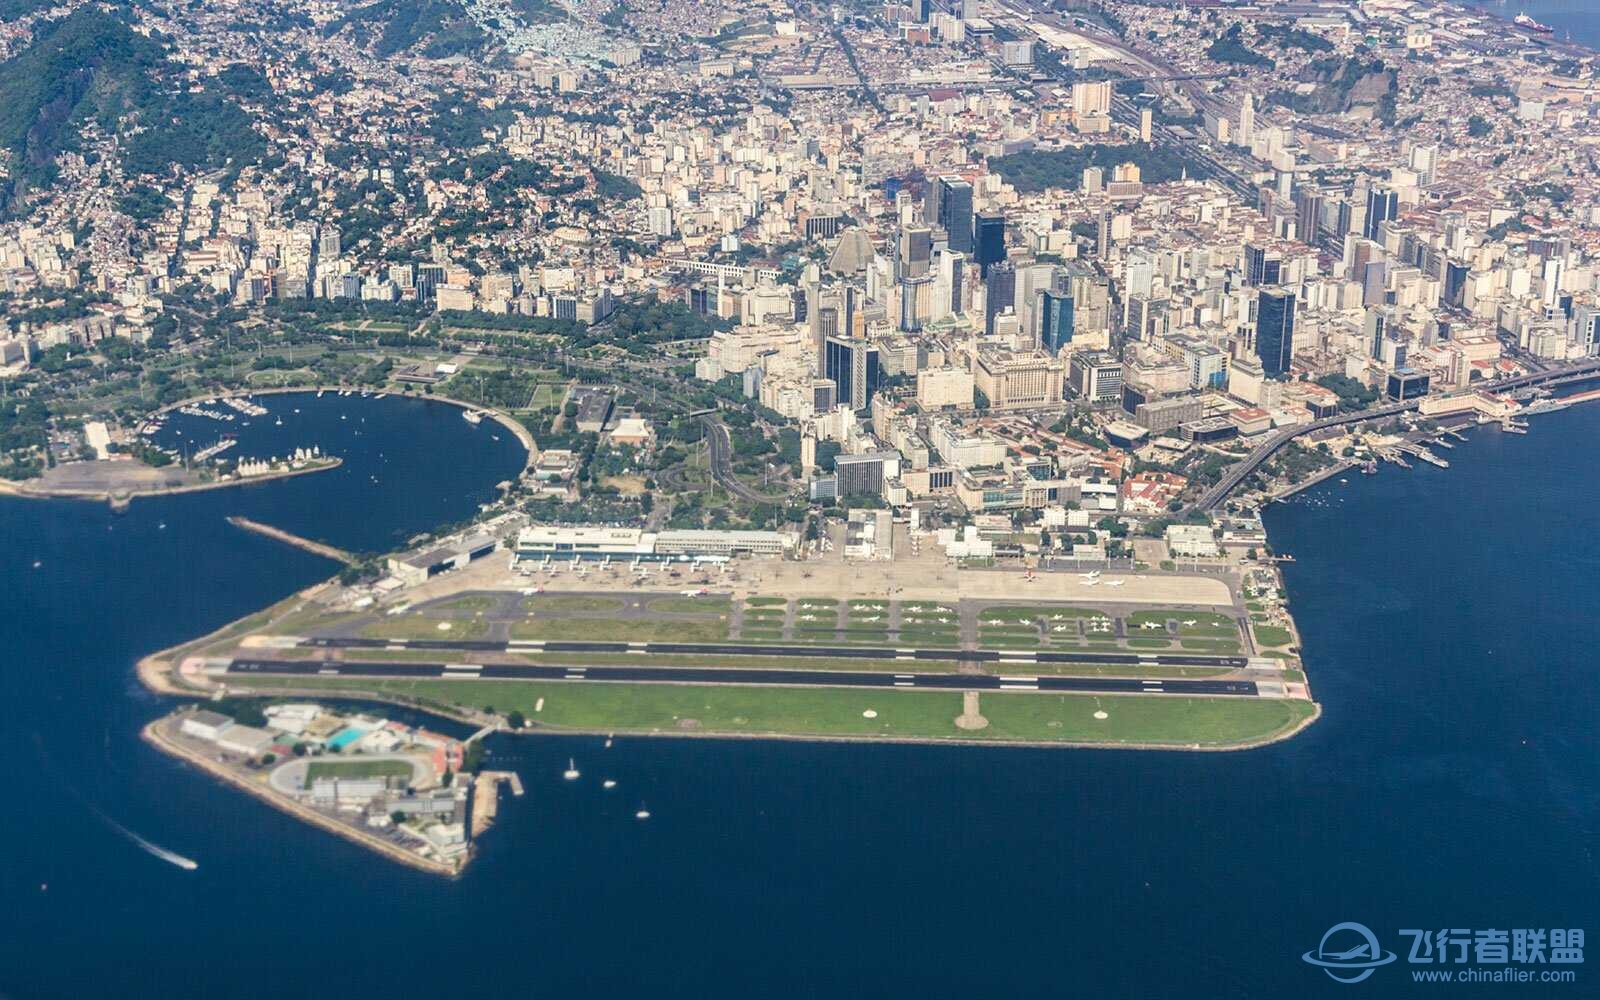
[[1020, 681], [749, 649]]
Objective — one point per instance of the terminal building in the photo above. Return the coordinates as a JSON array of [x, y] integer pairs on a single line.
[[559, 541]]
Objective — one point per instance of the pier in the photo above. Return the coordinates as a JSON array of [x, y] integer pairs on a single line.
[[289, 538], [486, 797]]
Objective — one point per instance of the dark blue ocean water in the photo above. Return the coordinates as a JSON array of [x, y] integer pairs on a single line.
[[1452, 781], [1574, 20]]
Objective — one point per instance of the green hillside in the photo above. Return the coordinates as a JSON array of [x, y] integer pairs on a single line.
[[92, 67]]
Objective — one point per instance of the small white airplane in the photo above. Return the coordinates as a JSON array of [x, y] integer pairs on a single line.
[[995, 621], [1151, 625], [808, 618], [530, 591], [1191, 623], [1115, 583], [700, 592], [1024, 621], [1059, 628], [872, 619], [944, 621], [1090, 583], [1091, 575]]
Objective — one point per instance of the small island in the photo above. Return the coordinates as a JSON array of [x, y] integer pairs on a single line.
[[389, 786]]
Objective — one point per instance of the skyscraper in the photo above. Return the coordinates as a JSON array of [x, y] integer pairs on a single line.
[[1455, 284], [1002, 291], [916, 251], [955, 212], [1261, 266], [853, 366], [1275, 332], [1308, 216], [989, 240], [1382, 205], [1055, 320]]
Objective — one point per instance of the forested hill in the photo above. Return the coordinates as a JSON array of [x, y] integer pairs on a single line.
[[91, 73]]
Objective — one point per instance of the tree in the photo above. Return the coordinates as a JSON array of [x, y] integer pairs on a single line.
[[516, 720]]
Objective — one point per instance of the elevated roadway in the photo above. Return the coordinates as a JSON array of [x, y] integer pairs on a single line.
[[1266, 449]]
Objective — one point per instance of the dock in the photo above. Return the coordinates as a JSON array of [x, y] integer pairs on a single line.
[[486, 797], [289, 538], [1422, 454]]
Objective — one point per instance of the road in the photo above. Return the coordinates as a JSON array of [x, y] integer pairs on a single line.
[[1211, 160], [1265, 450], [723, 675], [720, 447]]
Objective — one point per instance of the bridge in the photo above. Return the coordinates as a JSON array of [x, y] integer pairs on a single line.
[[1213, 497]]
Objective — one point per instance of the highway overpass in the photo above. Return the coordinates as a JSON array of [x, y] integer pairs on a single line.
[[1213, 497]]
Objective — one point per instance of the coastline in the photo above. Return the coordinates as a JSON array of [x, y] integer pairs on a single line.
[[17, 488], [151, 733], [500, 417]]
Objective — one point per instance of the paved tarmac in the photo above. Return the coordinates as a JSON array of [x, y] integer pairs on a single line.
[[1018, 681], [749, 649]]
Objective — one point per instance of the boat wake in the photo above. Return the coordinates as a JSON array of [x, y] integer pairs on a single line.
[[170, 857], [149, 847]]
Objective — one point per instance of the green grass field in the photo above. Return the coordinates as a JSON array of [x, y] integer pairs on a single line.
[[766, 602], [466, 602], [1162, 720], [547, 396], [1224, 646], [1015, 611], [572, 602], [415, 626], [610, 630], [1272, 635], [306, 621], [709, 605], [356, 768]]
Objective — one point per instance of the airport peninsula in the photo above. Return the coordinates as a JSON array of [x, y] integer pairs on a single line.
[[907, 647]]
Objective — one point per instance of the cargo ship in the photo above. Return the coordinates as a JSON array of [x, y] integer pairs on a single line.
[[1527, 23]]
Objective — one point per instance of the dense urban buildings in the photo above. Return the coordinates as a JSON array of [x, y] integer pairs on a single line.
[[770, 248]]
